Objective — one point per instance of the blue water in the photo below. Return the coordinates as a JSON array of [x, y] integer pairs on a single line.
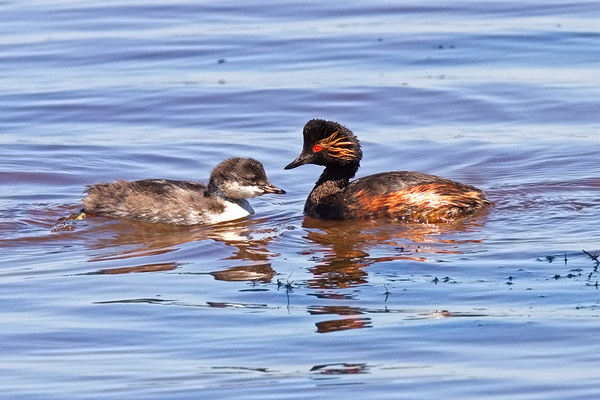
[[501, 95]]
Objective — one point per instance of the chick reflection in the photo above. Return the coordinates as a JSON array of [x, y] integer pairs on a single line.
[[344, 247], [118, 239]]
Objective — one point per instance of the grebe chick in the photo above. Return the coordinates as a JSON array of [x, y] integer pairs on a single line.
[[183, 202], [400, 195]]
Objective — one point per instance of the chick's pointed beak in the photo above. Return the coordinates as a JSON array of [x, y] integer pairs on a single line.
[[270, 188], [302, 159]]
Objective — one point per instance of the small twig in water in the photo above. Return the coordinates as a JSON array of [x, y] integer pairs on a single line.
[[387, 292], [287, 284], [593, 257]]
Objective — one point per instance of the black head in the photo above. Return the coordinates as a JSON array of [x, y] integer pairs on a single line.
[[328, 143], [240, 178]]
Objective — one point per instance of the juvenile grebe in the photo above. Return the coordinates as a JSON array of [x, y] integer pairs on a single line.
[[399, 195], [183, 202]]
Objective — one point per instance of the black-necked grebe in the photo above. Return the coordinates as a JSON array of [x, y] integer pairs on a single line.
[[399, 195], [183, 202]]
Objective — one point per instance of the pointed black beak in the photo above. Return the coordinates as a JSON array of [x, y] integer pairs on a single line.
[[269, 188], [300, 160]]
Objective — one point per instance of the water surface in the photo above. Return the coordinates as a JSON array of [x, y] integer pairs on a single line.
[[500, 95]]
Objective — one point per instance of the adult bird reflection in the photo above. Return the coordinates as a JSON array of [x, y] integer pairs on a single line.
[[343, 248]]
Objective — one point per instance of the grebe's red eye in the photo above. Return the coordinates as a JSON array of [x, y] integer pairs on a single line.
[[317, 148]]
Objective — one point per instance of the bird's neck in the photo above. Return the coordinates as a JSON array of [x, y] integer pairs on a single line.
[[332, 181], [338, 176], [323, 200]]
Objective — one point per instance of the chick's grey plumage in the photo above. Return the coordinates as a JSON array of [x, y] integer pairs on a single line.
[[183, 202]]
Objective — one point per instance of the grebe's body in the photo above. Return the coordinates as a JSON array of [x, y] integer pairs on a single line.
[[183, 202], [400, 195]]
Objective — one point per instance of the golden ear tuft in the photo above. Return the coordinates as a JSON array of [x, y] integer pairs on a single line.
[[335, 146]]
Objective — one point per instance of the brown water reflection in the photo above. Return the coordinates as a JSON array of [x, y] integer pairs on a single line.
[[169, 266], [344, 247], [259, 273], [343, 324], [339, 310]]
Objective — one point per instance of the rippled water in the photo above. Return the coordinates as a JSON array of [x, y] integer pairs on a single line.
[[502, 95]]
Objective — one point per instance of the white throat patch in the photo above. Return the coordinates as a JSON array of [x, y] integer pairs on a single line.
[[234, 190]]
